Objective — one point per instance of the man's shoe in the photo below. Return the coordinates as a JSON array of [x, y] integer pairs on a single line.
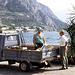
[[67, 68]]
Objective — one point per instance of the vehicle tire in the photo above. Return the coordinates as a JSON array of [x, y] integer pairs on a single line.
[[24, 66]]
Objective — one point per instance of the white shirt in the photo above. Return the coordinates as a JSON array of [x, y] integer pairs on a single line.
[[63, 40]]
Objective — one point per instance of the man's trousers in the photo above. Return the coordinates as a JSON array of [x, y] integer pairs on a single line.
[[63, 57]]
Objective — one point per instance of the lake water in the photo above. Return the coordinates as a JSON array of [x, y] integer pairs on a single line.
[[52, 38]]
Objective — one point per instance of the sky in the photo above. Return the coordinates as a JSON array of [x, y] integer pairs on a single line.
[[59, 7]]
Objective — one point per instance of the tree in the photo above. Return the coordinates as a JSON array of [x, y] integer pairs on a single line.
[[11, 27], [71, 31]]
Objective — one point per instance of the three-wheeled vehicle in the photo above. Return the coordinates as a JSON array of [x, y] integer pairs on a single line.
[[25, 54]]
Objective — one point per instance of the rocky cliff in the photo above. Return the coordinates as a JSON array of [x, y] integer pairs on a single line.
[[29, 13]]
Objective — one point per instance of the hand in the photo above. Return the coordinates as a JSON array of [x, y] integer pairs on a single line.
[[65, 47], [35, 45]]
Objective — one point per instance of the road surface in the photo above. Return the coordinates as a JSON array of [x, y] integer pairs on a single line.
[[5, 69]]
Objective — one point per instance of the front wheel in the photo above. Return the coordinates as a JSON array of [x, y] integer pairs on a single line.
[[24, 66]]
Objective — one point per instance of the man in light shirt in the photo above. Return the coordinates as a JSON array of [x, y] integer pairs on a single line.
[[63, 50]]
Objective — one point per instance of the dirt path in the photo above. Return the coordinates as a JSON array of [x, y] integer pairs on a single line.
[[5, 69]]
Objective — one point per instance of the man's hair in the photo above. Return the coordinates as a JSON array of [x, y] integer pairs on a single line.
[[62, 31]]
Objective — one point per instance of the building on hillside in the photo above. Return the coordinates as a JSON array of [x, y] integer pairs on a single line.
[[5, 28], [9, 31], [18, 29], [28, 29]]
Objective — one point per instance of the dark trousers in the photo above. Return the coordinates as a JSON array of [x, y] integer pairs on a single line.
[[63, 57], [39, 45]]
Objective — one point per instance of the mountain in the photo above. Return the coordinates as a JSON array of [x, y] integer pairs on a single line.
[[29, 13]]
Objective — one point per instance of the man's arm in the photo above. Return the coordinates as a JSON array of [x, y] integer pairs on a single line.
[[34, 37], [44, 40], [65, 44]]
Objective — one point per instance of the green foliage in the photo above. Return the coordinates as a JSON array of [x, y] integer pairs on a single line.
[[71, 31], [2, 8], [11, 27], [20, 20], [7, 21], [15, 6]]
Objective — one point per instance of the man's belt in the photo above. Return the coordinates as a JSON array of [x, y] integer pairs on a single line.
[[62, 46]]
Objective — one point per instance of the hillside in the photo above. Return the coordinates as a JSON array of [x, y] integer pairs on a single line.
[[29, 13]]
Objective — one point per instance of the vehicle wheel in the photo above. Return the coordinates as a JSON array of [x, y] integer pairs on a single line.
[[24, 66]]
